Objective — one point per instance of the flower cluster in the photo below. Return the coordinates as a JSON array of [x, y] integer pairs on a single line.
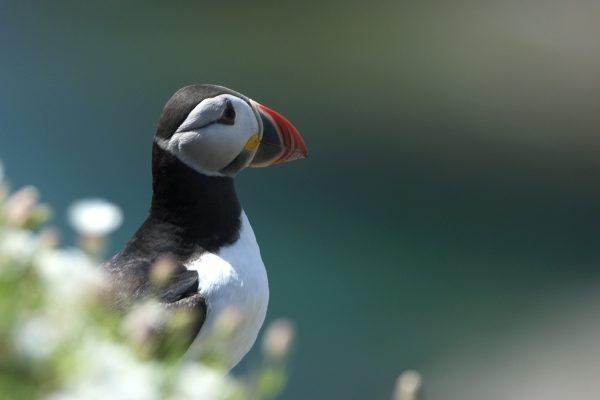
[[61, 340]]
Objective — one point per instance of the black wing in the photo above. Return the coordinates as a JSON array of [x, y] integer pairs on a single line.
[[131, 283], [181, 284]]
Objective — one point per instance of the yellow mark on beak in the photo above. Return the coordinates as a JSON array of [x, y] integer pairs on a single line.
[[252, 143]]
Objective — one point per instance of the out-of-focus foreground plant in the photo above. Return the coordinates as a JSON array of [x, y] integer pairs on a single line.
[[60, 339]]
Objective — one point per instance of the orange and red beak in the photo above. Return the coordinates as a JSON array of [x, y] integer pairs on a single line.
[[281, 142]]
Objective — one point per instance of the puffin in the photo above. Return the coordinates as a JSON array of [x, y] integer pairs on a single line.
[[206, 135]]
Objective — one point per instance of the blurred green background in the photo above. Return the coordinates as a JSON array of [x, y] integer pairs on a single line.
[[451, 194]]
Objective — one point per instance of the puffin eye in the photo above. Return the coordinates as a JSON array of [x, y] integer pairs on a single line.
[[228, 116]]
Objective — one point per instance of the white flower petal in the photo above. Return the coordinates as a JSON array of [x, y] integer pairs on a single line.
[[95, 217], [196, 381], [69, 275], [18, 245], [37, 337], [110, 371]]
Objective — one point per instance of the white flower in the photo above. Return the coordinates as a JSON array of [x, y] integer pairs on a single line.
[[20, 206], [408, 386], [278, 339], [38, 336], [69, 275], [198, 382], [18, 245], [143, 321], [95, 217], [107, 370]]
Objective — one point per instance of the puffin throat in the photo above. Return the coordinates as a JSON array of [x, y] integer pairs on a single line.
[[203, 210]]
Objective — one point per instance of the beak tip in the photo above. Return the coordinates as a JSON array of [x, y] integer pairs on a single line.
[[300, 155], [302, 150]]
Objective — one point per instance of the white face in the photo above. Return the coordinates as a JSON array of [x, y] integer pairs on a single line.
[[214, 133]]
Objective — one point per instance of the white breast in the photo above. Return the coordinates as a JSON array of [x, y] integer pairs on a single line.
[[235, 279]]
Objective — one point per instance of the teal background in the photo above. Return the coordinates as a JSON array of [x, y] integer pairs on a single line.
[[452, 186]]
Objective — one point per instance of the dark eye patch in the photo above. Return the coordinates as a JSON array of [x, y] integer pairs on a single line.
[[228, 116]]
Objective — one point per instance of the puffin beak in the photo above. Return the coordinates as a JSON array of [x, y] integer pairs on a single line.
[[281, 142]]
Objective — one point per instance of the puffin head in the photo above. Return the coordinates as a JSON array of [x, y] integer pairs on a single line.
[[218, 132]]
